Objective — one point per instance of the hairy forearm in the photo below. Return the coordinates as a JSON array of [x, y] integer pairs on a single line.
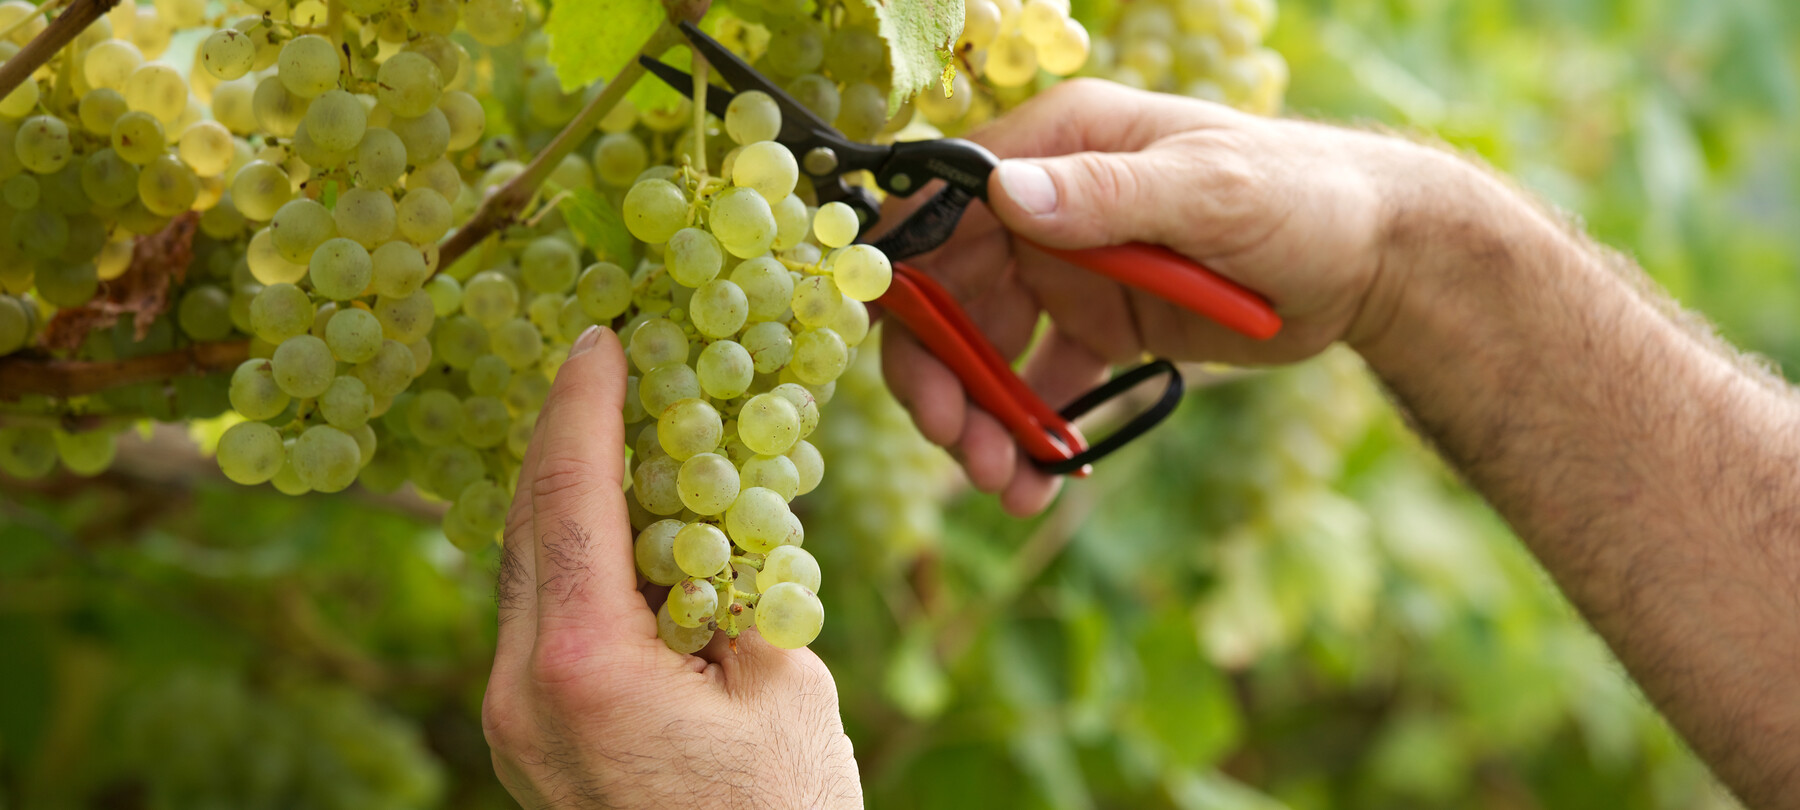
[[1653, 473]]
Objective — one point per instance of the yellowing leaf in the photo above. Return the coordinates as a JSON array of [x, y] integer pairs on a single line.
[[921, 38]]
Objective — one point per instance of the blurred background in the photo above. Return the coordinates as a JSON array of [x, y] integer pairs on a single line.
[[1282, 601]]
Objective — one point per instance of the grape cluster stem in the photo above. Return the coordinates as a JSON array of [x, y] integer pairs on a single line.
[[73, 378], [61, 31]]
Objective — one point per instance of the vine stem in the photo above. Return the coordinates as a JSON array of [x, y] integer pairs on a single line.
[[503, 206], [70, 378], [60, 32]]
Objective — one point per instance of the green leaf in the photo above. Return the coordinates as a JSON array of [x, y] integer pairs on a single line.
[[595, 39], [1186, 705], [921, 37], [598, 224]]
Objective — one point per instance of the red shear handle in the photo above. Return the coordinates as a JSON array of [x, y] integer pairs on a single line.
[[1175, 278]]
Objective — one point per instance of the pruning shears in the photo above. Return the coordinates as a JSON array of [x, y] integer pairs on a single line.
[[1047, 436]]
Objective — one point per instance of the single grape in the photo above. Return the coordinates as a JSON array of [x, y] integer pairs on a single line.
[[776, 473], [701, 550], [304, 368], [299, 227], [167, 186], [816, 93], [708, 483], [466, 119], [693, 257], [379, 159], [346, 404], [42, 144], [653, 483], [654, 552], [279, 312], [405, 319], [725, 370], [336, 121], [604, 291], [835, 224], [751, 117], [655, 209], [158, 90], [87, 453], [353, 335], [260, 189], [549, 265], [758, 519], [688, 427], [665, 385], [484, 422], [658, 342], [490, 298], [26, 451], [326, 458], [788, 615], [684, 640], [816, 300], [446, 293], [861, 272], [788, 564], [518, 342], [808, 465], [389, 371], [743, 222], [1067, 49], [340, 269], [366, 216], [254, 392], [250, 453], [228, 53], [409, 84], [768, 167], [1012, 60], [108, 64], [425, 216], [435, 418], [718, 309], [204, 313], [425, 137], [769, 424], [308, 65], [619, 158], [770, 345], [692, 602]]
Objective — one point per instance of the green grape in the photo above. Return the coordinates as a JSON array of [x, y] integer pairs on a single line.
[[87, 453], [234, 105], [791, 221], [228, 53], [20, 191], [544, 311], [768, 424], [1067, 49], [708, 483], [254, 392], [808, 465], [835, 225], [816, 300], [862, 111], [788, 564], [701, 550], [1011, 60], [27, 452], [108, 64], [816, 93], [794, 49], [22, 100], [279, 312], [158, 90], [981, 23], [604, 291], [944, 109], [379, 159], [267, 264], [488, 375], [277, 111], [854, 54], [770, 345], [861, 272], [767, 287], [788, 615], [658, 342], [692, 602], [718, 309], [340, 269], [654, 551], [439, 175], [758, 520], [167, 187], [66, 285], [572, 320], [484, 422], [451, 468], [725, 370], [299, 227], [398, 270], [308, 65], [684, 640], [42, 144], [366, 216], [260, 189], [819, 356], [250, 453], [346, 404], [851, 322], [775, 473], [769, 168], [207, 148], [40, 233], [743, 222], [466, 119], [15, 325], [460, 341], [751, 117], [655, 209], [287, 479], [99, 109], [326, 458], [518, 342], [490, 298], [435, 418], [805, 405], [665, 385], [619, 158], [304, 368], [693, 257], [409, 84], [446, 292], [688, 427], [204, 313], [549, 265], [494, 22], [653, 483], [389, 371], [336, 121], [424, 217], [406, 319], [425, 137], [353, 335]]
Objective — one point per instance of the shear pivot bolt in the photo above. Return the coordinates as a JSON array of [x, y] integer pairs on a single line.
[[820, 161], [901, 182]]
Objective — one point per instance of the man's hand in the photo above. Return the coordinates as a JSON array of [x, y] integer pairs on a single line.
[[1291, 210], [586, 707]]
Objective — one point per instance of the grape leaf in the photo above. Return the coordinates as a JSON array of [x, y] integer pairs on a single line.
[[921, 37], [599, 226], [158, 261], [595, 39]]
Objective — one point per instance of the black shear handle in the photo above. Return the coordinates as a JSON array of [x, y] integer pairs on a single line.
[[1138, 426]]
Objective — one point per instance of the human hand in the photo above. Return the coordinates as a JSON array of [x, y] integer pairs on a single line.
[[1295, 211], [585, 706]]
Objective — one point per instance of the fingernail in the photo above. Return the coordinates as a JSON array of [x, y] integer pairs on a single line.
[[588, 338], [1029, 186]]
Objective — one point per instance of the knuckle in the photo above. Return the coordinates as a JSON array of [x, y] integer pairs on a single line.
[[1105, 178], [558, 662], [560, 474], [499, 724]]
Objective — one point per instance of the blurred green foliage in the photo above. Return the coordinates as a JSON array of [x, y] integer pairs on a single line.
[[1281, 601]]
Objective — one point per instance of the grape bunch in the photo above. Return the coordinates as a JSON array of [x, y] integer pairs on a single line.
[[1210, 49], [739, 337], [831, 59]]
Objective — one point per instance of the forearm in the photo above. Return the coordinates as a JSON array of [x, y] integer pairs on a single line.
[[1655, 476]]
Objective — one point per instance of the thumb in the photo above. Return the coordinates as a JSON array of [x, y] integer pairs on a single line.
[[1087, 199]]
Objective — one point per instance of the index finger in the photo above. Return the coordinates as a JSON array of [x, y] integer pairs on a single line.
[[1093, 115]]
